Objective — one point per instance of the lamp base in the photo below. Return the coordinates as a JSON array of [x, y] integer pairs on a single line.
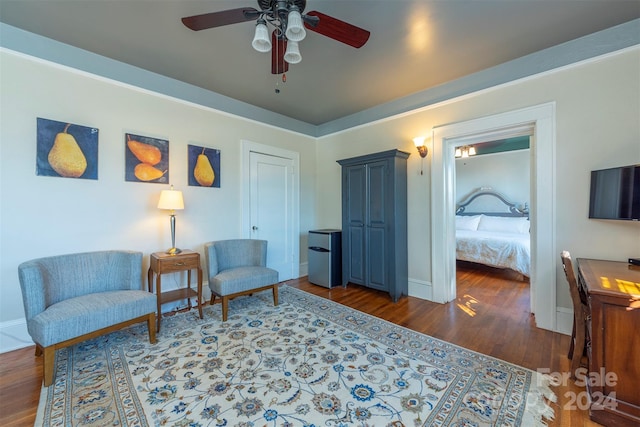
[[173, 251]]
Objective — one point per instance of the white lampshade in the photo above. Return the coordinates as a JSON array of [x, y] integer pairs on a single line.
[[292, 55], [171, 199], [295, 30], [472, 150], [419, 141], [261, 41], [458, 152]]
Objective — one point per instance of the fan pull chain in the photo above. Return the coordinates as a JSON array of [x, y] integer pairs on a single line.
[[284, 80], [277, 46]]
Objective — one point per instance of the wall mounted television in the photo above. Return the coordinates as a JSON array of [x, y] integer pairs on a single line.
[[615, 193]]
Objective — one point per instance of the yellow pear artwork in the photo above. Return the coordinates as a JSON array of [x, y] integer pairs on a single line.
[[146, 172], [146, 159], [146, 153], [66, 157], [203, 171]]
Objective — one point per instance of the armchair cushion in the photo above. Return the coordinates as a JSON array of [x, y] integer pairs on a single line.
[[87, 313], [242, 279]]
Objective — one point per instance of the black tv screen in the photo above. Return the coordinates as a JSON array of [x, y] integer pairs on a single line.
[[615, 193]]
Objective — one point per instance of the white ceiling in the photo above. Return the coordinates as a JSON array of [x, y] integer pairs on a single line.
[[414, 45]]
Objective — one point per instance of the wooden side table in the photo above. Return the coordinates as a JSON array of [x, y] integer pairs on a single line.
[[162, 262]]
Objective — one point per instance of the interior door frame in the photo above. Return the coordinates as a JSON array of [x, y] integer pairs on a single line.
[[539, 122], [247, 147]]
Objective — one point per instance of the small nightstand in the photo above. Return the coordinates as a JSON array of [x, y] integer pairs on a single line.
[[162, 262]]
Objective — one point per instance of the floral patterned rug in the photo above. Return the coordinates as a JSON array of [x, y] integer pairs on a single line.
[[308, 362]]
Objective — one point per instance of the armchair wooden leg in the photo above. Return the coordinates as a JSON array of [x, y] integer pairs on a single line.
[[48, 364], [213, 299], [225, 308], [38, 350], [151, 326], [275, 294]]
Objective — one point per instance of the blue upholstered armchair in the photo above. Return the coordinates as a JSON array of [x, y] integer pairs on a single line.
[[238, 267], [71, 298]]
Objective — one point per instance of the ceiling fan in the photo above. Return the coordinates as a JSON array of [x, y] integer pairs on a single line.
[[289, 22]]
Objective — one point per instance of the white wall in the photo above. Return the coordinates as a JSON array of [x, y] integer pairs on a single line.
[[597, 126], [508, 173], [42, 216]]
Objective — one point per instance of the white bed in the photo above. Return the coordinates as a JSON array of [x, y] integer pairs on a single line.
[[498, 237]]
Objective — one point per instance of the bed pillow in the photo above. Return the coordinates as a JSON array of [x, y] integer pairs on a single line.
[[504, 224], [467, 222]]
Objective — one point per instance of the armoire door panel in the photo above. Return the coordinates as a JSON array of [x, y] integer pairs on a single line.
[[356, 254], [376, 190], [376, 260], [356, 196]]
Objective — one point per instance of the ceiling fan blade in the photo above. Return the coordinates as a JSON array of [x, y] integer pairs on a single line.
[[218, 19], [338, 30], [278, 48]]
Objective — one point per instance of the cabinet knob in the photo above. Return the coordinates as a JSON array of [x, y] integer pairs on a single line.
[[254, 228]]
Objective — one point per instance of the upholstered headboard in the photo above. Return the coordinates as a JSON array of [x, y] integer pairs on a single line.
[[491, 203]]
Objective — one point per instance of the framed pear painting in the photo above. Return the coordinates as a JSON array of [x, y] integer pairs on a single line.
[[204, 166], [146, 159], [66, 150]]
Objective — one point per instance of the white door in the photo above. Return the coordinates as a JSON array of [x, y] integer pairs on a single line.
[[271, 201]]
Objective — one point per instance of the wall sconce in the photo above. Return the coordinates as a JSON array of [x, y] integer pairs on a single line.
[[172, 200], [422, 148], [420, 145], [465, 151]]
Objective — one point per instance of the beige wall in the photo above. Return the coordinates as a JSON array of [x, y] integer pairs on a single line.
[[43, 216], [597, 126]]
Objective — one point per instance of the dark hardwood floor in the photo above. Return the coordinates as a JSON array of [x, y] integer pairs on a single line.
[[491, 316]]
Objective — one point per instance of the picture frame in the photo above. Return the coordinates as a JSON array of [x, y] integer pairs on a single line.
[[66, 150], [203, 166], [146, 159]]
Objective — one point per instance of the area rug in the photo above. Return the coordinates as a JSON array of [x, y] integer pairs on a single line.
[[308, 362]]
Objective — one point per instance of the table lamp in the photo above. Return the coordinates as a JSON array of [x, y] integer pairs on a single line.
[[171, 200]]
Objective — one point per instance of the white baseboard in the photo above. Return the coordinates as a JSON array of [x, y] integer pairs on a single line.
[[421, 289], [564, 320], [304, 269], [14, 335]]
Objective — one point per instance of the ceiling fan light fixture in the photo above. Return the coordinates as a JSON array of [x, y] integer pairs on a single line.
[[261, 41], [290, 25], [295, 29], [292, 55]]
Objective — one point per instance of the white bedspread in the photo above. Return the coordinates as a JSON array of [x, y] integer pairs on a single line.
[[503, 250]]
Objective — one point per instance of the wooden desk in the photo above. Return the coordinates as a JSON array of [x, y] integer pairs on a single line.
[[161, 262], [614, 350]]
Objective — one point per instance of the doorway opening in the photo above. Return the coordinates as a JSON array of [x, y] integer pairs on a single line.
[[539, 123], [493, 245]]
